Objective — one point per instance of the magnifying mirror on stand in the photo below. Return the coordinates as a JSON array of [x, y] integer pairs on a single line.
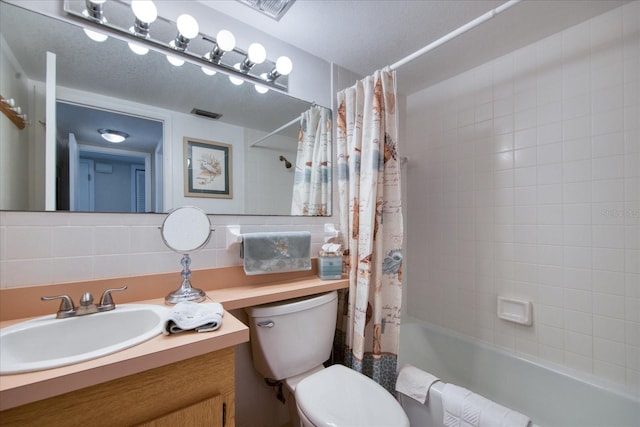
[[185, 230]]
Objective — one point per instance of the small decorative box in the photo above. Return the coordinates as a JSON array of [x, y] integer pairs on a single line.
[[330, 267]]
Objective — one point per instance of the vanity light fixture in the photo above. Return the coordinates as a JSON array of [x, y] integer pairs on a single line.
[[187, 29], [236, 81], [255, 55], [225, 42], [146, 13], [138, 49], [95, 36], [94, 10], [113, 136], [283, 67], [149, 29], [175, 61]]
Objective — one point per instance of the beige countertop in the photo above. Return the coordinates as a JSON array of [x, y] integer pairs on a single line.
[[19, 389]]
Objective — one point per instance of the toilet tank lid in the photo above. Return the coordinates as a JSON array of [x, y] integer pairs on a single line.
[[291, 305], [341, 397]]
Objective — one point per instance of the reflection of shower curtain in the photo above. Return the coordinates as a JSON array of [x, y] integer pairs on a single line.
[[371, 219], [312, 179]]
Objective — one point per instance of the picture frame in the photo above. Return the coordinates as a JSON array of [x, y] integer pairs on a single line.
[[207, 169]]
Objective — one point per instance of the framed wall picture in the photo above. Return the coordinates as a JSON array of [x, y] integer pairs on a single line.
[[207, 169]]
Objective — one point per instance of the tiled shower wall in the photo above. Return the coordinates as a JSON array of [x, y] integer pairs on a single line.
[[524, 181]]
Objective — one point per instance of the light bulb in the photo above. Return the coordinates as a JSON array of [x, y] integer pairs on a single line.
[[188, 26], [208, 71], [236, 81], [226, 40], [284, 66], [261, 89], [256, 53], [116, 139], [138, 49], [176, 62], [114, 136], [95, 36], [144, 10]]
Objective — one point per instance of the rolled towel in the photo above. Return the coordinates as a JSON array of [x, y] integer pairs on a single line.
[[415, 383], [193, 316]]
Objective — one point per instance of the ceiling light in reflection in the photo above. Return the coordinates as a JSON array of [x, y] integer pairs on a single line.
[[236, 81], [261, 89], [208, 71]]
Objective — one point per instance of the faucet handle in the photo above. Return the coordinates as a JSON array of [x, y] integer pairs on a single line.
[[106, 302], [66, 305], [86, 299]]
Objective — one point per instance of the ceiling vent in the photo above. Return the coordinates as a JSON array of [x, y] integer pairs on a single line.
[[205, 113], [274, 9]]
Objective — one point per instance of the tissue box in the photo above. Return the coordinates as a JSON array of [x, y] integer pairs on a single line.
[[330, 267]]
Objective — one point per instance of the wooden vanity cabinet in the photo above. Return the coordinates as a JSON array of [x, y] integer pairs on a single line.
[[195, 392]]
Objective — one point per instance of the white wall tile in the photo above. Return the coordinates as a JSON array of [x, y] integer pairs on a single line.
[[608, 328], [555, 191], [576, 149], [560, 179], [28, 242], [578, 321]]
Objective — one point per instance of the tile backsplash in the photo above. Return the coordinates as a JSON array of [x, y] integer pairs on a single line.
[[524, 181], [61, 247]]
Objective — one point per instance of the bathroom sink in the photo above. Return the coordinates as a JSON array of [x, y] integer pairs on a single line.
[[46, 342]]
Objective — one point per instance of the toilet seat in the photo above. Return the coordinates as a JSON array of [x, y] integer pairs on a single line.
[[338, 396]]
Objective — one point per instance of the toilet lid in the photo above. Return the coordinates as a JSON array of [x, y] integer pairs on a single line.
[[341, 397]]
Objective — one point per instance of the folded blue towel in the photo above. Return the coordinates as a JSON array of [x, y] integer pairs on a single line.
[[276, 252]]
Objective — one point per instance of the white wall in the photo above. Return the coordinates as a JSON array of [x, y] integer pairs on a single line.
[[524, 181], [265, 157]]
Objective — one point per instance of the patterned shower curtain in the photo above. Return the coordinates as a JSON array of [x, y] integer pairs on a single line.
[[371, 218], [311, 182]]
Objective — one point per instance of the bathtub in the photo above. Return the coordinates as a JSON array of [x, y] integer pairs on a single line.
[[551, 398]]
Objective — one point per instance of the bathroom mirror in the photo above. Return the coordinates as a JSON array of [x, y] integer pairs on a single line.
[[108, 78], [185, 230]]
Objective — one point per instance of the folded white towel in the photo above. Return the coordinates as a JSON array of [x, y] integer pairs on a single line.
[[415, 383], [189, 315], [462, 408]]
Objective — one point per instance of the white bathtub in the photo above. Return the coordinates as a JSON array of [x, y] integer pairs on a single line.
[[549, 397]]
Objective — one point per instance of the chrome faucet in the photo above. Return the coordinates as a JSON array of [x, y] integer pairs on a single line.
[[67, 308]]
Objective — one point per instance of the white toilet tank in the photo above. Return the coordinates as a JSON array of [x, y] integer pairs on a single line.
[[294, 336]]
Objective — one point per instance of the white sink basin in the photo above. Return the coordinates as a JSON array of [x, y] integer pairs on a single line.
[[47, 342]]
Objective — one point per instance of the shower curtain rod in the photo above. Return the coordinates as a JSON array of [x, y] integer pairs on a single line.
[[455, 33], [284, 126]]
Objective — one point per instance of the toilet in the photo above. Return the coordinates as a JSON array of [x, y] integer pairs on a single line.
[[290, 341]]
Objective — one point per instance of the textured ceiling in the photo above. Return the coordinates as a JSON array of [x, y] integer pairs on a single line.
[[366, 35]]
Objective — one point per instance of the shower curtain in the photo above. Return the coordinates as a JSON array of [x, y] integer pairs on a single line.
[[311, 181], [371, 219]]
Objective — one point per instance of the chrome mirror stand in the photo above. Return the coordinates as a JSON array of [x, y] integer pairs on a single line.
[[185, 292]]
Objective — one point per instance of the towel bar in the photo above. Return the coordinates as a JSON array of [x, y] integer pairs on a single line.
[[234, 236]]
